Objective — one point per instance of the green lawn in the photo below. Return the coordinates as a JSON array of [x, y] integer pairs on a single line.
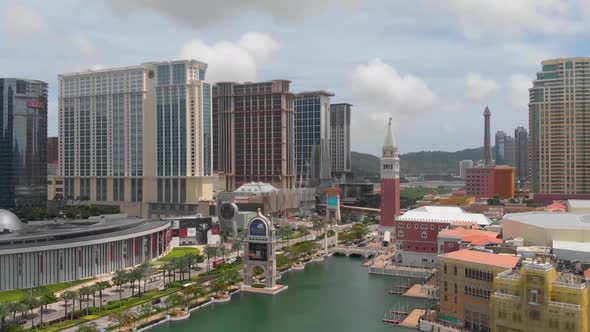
[[17, 294], [175, 253]]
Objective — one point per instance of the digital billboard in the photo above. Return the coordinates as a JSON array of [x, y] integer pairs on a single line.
[[258, 251], [332, 202], [258, 227]]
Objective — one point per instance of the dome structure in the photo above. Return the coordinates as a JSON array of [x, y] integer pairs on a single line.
[[9, 221]]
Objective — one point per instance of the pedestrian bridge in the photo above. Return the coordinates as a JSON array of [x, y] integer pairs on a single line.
[[357, 251]]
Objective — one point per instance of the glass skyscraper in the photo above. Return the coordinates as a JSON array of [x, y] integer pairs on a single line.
[[23, 143], [312, 137]]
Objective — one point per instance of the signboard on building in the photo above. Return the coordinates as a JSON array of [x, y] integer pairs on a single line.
[[191, 232], [333, 202], [258, 227], [35, 104]]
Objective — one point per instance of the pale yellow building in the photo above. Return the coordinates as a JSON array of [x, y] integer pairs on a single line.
[[139, 137], [465, 284], [538, 298]]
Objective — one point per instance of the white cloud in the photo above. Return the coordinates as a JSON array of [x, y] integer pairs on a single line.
[[519, 91], [511, 18], [22, 21], [198, 14], [382, 88], [479, 88], [232, 61], [381, 92], [525, 54], [84, 46]]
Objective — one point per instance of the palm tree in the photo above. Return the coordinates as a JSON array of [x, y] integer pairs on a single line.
[[236, 246], [192, 260], [81, 294], [176, 264], [101, 286], [85, 291], [209, 251], [31, 304], [120, 279], [93, 290], [17, 307], [222, 250], [42, 301], [67, 296], [5, 310], [167, 269], [49, 298], [132, 277], [145, 271]]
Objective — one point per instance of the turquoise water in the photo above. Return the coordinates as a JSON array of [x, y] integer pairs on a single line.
[[335, 295]]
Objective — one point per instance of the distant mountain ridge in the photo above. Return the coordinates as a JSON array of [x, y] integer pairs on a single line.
[[366, 166]]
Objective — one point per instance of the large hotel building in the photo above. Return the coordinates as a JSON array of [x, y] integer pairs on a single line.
[[137, 135], [254, 133], [559, 113]]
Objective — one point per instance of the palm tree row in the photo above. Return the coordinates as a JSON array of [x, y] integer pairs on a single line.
[[184, 264], [27, 304]]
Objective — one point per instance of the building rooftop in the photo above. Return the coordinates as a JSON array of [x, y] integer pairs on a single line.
[[484, 258], [572, 246], [460, 232], [578, 203], [256, 188], [556, 207], [552, 220], [443, 214], [314, 93]]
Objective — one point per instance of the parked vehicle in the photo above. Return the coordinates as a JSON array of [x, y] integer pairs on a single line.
[[156, 301]]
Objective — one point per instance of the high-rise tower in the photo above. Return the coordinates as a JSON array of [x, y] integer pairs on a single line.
[[390, 188], [559, 148], [487, 148]]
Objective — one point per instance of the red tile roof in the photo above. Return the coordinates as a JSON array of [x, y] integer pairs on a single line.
[[587, 274], [484, 258], [464, 232], [556, 207], [481, 240]]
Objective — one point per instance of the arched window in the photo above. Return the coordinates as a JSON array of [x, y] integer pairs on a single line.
[[424, 235]]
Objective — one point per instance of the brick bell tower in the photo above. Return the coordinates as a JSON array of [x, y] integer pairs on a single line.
[[390, 188]]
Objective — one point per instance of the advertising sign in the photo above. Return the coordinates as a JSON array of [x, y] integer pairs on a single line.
[[35, 104], [258, 227], [258, 251], [332, 202], [215, 229], [191, 232]]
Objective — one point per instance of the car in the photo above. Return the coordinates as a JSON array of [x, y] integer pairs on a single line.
[[22, 322], [230, 260], [156, 301]]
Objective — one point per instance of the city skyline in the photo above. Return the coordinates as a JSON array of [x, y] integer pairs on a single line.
[[442, 94]]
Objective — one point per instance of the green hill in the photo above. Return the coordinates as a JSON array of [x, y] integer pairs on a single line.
[[366, 166]]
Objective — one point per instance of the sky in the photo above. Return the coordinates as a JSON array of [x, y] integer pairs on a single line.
[[431, 65]]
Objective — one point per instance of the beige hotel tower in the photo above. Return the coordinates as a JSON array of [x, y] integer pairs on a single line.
[[139, 137]]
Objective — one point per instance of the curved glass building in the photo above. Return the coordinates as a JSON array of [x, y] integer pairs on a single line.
[[23, 142]]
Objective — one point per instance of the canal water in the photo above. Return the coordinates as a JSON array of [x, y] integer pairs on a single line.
[[335, 295]]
